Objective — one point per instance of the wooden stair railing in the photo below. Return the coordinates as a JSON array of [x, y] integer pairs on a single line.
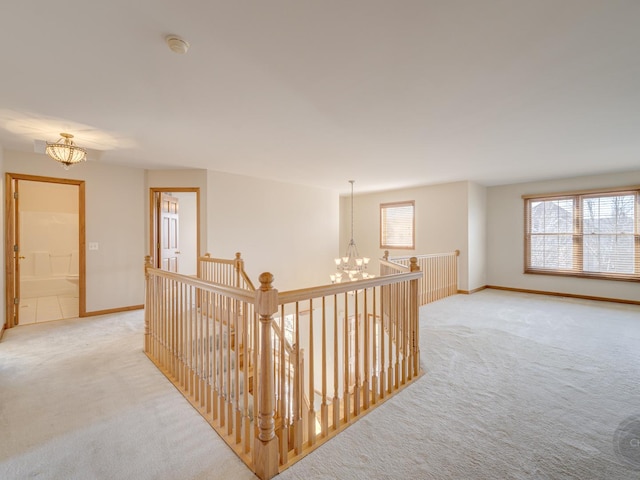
[[439, 270], [277, 374]]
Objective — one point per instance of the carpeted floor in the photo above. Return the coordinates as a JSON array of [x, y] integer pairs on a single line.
[[517, 386]]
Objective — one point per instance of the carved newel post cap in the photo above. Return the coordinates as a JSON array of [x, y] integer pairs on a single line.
[[414, 264], [238, 255], [386, 254], [266, 279]]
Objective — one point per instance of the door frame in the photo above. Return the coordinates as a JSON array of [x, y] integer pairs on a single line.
[[155, 195], [12, 237]]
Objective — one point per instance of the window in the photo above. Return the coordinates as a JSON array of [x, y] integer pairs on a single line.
[[397, 222], [591, 234]]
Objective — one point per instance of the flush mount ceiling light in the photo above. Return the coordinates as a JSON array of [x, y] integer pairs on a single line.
[[177, 44], [65, 151]]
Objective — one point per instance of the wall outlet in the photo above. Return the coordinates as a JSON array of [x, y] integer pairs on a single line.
[[93, 245]]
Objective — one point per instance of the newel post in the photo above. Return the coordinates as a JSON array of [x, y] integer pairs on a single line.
[[238, 265], [414, 313], [265, 452], [386, 255], [147, 301]]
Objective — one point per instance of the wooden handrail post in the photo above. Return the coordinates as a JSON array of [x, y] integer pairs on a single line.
[[414, 314], [265, 452], [238, 265], [386, 255], [147, 266]]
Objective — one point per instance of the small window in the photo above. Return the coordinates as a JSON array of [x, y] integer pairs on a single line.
[[397, 225]]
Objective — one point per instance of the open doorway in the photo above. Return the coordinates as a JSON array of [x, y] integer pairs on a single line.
[[175, 229], [44, 250]]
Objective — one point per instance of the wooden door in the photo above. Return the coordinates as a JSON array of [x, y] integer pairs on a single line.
[[169, 238], [12, 256]]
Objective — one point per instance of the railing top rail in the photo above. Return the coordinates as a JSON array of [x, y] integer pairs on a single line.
[[247, 281], [397, 266], [225, 261], [236, 293], [338, 288], [429, 255]]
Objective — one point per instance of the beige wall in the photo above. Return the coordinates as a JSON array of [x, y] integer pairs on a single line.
[[441, 223], [114, 219], [477, 213], [288, 230], [505, 232]]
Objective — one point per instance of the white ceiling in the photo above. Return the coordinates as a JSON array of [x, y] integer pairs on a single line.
[[390, 93]]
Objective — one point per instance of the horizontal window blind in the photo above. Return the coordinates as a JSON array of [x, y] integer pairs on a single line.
[[589, 234], [397, 222]]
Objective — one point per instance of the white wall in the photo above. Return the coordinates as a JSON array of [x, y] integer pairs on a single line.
[[187, 232], [505, 232], [477, 217], [114, 219], [288, 230], [441, 223]]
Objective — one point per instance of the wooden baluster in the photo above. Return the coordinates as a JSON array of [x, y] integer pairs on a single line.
[[367, 345], [265, 452], [356, 353], [415, 320], [324, 408], [346, 399], [229, 379], [285, 393], [336, 363], [374, 360], [312, 409], [298, 385], [215, 364], [147, 303], [383, 308], [403, 340]]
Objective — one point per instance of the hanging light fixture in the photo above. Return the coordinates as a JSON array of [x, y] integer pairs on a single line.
[[351, 266], [65, 151]]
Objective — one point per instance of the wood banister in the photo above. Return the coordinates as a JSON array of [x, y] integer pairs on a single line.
[[266, 444], [221, 344]]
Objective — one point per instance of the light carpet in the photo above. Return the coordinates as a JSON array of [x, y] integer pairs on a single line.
[[516, 387]]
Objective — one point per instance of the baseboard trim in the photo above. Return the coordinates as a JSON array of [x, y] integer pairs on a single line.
[[570, 295], [475, 290], [112, 310]]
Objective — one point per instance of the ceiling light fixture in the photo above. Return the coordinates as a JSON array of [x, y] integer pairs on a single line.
[[177, 44], [65, 151], [351, 265]]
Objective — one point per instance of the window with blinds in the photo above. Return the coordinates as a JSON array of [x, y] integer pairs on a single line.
[[591, 234], [397, 225]]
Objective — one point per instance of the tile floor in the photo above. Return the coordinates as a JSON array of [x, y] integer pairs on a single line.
[[45, 309]]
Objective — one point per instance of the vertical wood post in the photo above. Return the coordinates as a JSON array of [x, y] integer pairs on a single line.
[[147, 302], [414, 315], [265, 451], [238, 264]]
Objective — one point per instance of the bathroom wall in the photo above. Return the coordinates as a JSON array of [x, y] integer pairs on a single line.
[[48, 228]]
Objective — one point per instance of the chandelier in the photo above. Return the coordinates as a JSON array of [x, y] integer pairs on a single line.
[[65, 151], [351, 266]]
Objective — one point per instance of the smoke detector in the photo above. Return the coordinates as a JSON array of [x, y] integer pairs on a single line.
[[177, 44]]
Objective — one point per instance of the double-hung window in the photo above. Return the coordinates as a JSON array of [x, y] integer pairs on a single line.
[[590, 234], [397, 225]]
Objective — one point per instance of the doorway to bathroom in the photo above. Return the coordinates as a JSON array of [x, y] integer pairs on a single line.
[[45, 249]]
